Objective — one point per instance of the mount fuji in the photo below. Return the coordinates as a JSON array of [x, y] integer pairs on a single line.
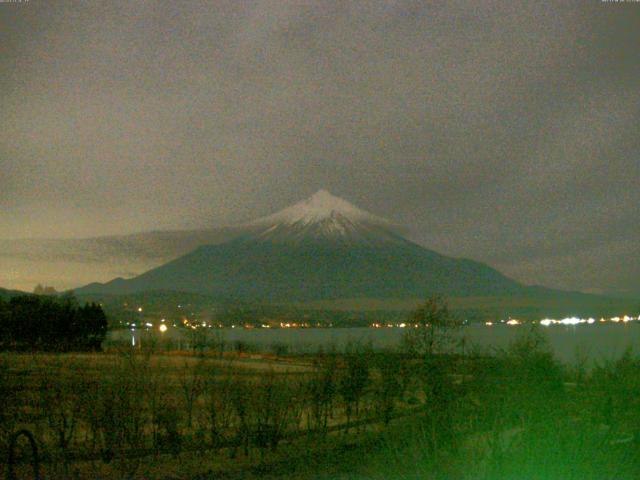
[[324, 218], [320, 248]]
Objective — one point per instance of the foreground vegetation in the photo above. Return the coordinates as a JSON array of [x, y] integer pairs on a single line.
[[355, 414]]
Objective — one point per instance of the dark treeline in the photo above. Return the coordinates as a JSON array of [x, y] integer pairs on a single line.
[[36, 322]]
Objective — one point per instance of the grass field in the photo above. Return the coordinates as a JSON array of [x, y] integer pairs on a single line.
[[356, 414]]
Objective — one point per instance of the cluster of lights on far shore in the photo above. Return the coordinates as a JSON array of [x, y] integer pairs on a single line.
[[395, 325], [195, 324], [547, 322]]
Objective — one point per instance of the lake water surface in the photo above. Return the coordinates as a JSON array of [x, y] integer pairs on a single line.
[[599, 342]]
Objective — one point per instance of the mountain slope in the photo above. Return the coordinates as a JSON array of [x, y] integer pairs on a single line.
[[321, 248], [7, 294], [273, 271]]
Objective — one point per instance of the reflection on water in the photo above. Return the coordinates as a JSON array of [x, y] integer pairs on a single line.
[[597, 342]]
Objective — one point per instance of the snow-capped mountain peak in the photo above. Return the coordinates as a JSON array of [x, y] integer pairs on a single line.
[[324, 216], [319, 207]]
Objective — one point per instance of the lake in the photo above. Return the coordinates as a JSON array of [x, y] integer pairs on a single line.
[[598, 342]]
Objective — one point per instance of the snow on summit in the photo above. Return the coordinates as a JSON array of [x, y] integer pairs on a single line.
[[324, 216], [319, 207]]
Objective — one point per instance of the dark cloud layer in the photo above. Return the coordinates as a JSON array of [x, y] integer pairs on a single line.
[[501, 131]]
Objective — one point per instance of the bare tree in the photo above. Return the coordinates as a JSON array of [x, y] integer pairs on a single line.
[[354, 380], [389, 385], [219, 404], [432, 328], [321, 391], [192, 383], [60, 406]]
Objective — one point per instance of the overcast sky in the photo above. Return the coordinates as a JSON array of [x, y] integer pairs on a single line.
[[507, 132]]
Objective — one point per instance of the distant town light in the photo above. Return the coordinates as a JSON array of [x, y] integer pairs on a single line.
[[570, 321], [162, 328]]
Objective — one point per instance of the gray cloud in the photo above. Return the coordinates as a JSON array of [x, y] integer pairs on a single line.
[[501, 131]]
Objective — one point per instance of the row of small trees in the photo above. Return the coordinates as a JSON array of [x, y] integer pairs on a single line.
[[35, 322], [121, 407]]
